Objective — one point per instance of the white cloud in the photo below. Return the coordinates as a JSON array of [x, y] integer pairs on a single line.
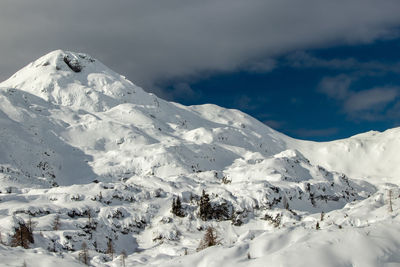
[[369, 104], [336, 87], [376, 98]]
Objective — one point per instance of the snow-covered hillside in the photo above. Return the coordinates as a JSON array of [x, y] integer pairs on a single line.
[[82, 145], [372, 156]]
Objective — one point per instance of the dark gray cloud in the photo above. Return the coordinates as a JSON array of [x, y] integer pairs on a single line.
[[152, 41], [181, 91], [301, 59]]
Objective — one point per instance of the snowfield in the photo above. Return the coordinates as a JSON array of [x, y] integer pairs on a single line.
[[91, 159]]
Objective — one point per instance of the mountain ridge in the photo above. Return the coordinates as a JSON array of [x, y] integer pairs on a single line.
[[81, 142]]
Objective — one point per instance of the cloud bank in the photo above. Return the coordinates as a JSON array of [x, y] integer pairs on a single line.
[[154, 41]]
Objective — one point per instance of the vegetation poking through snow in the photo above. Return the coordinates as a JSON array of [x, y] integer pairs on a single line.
[[275, 221], [23, 235], [205, 208], [177, 207], [210, 239], [84, 254]]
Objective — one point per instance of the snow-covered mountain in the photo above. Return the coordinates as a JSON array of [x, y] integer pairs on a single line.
[[82, 143]]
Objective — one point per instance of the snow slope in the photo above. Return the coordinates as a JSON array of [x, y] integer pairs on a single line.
[[81, 143], [372, 156], [122, 128]]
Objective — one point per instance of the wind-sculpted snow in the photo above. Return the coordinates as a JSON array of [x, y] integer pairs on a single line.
[[372, 155], [94, 159], [33, 152]]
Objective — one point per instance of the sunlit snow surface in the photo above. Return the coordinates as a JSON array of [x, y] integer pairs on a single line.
[[77, 138]]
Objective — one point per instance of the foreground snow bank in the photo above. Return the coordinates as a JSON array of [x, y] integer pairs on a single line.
[[35, 258], [368, 235], [376, 245]]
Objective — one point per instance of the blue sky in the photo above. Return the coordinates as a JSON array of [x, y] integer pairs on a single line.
[[294, 98]]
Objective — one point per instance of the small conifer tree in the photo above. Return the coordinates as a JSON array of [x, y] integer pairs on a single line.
[[205, 212], [177, 207], [56, 223]]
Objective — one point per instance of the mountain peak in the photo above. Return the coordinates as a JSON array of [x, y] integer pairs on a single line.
[[60, 60], [76, 80]]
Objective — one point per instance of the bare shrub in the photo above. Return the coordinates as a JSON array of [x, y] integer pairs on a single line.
[[210, 239], [84, 254], [23, 235], [274, 221], [110, 248], [225, 180]]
